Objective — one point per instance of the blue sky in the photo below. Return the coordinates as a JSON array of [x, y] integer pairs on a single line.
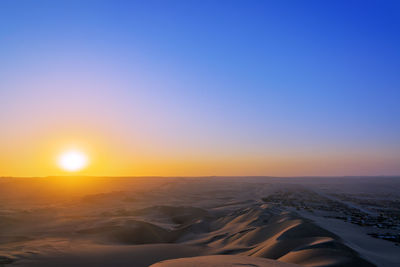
[[237, 80]]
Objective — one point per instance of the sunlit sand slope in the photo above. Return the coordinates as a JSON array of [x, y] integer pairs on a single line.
[[222, 261], [143, 227], [264, 232]]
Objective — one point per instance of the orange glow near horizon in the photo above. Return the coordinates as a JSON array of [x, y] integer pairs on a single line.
[[143, 156], [153, 90]]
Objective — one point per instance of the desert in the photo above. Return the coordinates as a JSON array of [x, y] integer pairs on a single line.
[[199, 133], [140, 221]]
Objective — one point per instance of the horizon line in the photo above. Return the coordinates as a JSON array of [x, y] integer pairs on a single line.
[[207, 176]]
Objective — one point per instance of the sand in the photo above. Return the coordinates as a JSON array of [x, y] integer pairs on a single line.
[[161, 221], [110, 255], [222, 261], [377, 251]]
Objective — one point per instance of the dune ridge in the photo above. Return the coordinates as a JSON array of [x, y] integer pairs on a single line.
[[222, 261], [256, 231], [261, 231], [167, 223]]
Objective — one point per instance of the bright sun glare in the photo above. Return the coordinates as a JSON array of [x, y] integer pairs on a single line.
[[72, 160]]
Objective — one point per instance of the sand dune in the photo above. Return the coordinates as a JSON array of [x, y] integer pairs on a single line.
[[262, 232], [222, 261], [256, 231], [104, 229], [110, 255]]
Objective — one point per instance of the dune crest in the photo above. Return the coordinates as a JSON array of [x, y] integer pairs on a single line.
[[174, 220], [222, 261]]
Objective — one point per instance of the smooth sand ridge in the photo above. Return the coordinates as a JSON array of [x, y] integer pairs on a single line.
[[257, 231], [261, 232], [140, 229], [222, 261], [378, 251]]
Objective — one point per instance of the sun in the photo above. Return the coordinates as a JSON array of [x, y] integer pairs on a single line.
[[72, 160]]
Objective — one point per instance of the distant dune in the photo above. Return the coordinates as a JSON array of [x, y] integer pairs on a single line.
[[166, 223]]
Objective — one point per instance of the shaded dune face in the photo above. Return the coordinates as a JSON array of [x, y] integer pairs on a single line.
[[263, 232], [129, 232], [257, 231], [144, 228], [121, 229], [179, 215]]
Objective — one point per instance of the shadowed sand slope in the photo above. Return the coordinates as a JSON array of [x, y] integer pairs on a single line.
[[222, 261], [148, 235], [263, 232], [110, 255], [169, 222]]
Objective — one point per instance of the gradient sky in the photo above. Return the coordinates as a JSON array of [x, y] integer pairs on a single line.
[[201, 87]]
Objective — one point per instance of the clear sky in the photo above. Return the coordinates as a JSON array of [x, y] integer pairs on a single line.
[[201, 87]]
